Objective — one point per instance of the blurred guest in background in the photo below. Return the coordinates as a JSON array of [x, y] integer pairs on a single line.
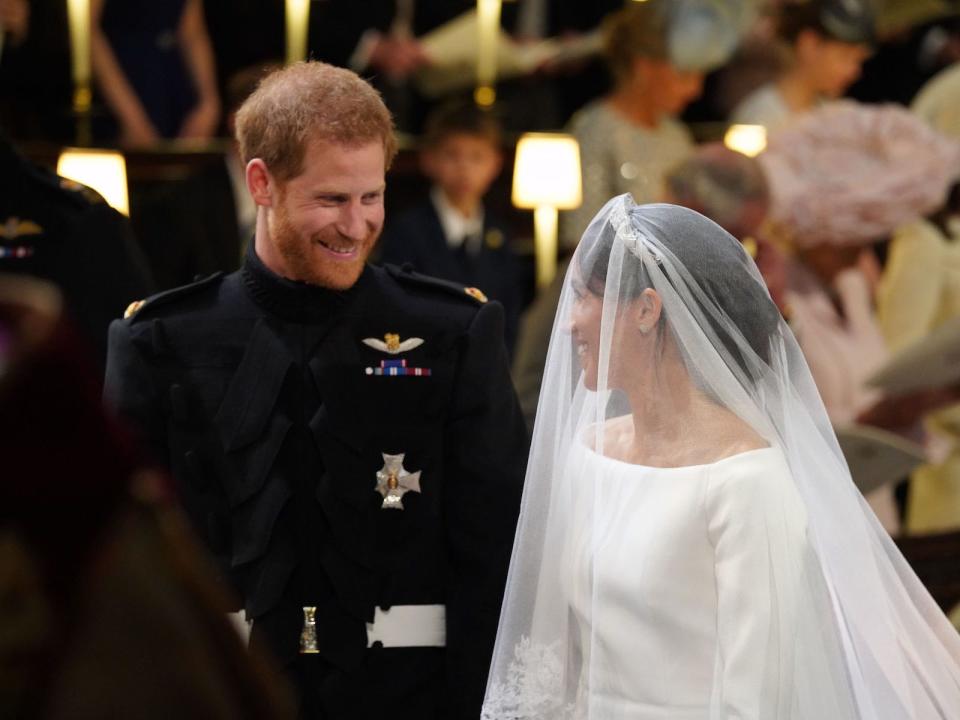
[[36, 87], [244, 34], [844, 177], [200, 223], [381, 43], [938, 101], [916, 39], [827, 42], [56, 229], [919, 292], [630, 138], [453, 235], [14, 20], [732, 190], [547, 98], [155, 68]]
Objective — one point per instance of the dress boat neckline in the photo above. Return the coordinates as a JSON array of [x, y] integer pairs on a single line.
[[638, 466]]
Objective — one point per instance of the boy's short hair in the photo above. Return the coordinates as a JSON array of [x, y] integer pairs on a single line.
[[852, 21], [461, 118]]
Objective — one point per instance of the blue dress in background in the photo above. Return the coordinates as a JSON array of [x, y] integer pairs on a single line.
[[143, 35]]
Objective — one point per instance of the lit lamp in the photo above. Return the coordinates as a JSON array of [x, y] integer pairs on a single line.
[[78, 17], [103, 170], [749, 140], [488, 29], [546, 178], [298, 16]]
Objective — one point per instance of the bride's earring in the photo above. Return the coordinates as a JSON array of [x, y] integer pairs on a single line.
[[644, 329]]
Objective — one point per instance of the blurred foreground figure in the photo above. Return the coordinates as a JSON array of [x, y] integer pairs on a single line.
[[108, 609], [59, 230]]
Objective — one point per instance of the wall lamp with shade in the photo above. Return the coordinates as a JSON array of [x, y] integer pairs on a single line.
[[546, 178], [749, 140], [103, 170]]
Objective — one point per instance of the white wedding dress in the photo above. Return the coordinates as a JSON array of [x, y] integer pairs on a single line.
[[665, 579], [756, 587]]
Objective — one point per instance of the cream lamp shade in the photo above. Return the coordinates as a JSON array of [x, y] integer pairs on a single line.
[[749, 140], [103, 170], [546, 178]]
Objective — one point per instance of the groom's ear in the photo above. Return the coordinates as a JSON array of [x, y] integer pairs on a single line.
[[646, 310]]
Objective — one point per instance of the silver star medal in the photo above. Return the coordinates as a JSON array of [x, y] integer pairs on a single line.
[[393, 482]]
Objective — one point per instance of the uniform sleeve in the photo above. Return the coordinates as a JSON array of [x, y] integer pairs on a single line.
[[756, 525], [130, 389], [486, 455]]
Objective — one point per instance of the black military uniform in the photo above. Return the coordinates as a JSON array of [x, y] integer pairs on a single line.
[[275, 403], [59, 230]]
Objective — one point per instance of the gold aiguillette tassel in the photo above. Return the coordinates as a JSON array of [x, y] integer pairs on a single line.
[[308, 636]]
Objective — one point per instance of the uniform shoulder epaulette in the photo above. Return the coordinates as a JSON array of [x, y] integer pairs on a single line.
[[407, 274], [137, 307]]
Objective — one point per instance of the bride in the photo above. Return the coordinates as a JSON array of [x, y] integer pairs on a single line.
[[691, 546]]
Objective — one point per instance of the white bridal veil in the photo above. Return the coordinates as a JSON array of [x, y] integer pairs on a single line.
[[691, 544]]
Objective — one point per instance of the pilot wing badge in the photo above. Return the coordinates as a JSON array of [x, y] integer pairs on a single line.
[[392, 344]]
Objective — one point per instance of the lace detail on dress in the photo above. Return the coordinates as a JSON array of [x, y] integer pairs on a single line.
[[533, 688]]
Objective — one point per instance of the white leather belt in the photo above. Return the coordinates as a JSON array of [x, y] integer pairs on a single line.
[[409, 626], [400, 626], [238, 620]]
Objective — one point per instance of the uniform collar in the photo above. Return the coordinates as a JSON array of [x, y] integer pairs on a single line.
[[292, 300]]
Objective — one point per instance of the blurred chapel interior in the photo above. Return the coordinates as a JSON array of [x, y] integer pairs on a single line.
[[823, 134]]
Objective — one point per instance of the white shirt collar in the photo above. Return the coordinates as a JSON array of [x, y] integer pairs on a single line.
[[455, 226]]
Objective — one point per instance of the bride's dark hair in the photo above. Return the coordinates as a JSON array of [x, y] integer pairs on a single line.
[[716, 262]]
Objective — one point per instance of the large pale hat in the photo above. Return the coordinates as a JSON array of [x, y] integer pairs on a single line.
[[850, 174]]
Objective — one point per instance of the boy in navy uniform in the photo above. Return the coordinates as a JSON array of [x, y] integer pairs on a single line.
[[452, 235], [345, 437]]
